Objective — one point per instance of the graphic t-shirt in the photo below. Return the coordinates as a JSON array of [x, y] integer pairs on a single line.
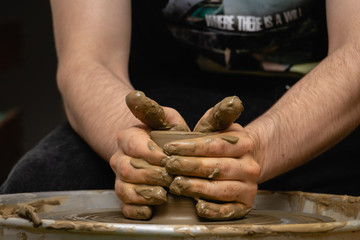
[[250, 36]]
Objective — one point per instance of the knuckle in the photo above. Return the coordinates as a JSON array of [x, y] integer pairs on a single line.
[[252, 170], [131, 148], [121, 192], [113, 162], [250, 195], [247, 145], [121, 136], [124, 172], [215, 146]]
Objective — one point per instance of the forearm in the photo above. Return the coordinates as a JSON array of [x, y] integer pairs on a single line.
[[315, 114], [94, 100], [93, 45]]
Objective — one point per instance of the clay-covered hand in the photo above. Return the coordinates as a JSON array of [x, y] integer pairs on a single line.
[[139, 162], [219, 170]]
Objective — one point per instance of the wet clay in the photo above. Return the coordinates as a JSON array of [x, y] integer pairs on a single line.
[[181, 216], [178, 164], [187, 148], [180, 185], [214, 173], [155, 194], [138, 212], [81, 226], [159, 177], [150, 112], [280, 215], [206, 209], [221, 116], [29, 211], [187, 166], [26, 212], [223, 211], [229, 138], [163, 137]]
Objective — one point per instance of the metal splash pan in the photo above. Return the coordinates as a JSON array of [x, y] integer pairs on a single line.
[[96, 215]]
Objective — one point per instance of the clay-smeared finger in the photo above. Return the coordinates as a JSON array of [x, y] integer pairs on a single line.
[[140, 194], [213, 168], [151, 174], [135, 170], [136, 142], [227, 191], [221, 116], [229, 144], [193, 166], [151, 113], [136, 212], [221, 211]]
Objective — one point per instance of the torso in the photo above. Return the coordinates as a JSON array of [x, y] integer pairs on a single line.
[[250, 35]]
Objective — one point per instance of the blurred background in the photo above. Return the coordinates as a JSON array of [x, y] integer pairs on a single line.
[[30, 104]]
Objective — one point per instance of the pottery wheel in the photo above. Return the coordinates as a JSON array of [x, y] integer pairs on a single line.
[[181, 210]]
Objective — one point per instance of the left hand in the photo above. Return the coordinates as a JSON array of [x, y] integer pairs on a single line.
[[218, 167], [138, 162]]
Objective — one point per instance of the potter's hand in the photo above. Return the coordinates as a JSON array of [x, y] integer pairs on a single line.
[[218, 167], [139, 162], [153, 115]]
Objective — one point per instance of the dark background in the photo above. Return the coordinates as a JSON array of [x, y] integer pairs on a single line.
[[30, 103]]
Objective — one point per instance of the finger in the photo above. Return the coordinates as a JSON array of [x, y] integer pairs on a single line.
[[140, 194], [135, 170], [221, 211], [221, 116], [228, 191], [152, 114], [136, 142], [229, 144], [136, 212], [214, 168]]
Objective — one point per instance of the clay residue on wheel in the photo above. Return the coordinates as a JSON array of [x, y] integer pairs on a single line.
[[31, 210], [221, 116], [81, 226]]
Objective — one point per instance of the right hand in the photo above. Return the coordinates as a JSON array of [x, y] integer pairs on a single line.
[[218, 170], [139, 163]]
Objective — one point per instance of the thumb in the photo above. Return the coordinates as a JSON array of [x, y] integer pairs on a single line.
[[152, 114], [221, 116]]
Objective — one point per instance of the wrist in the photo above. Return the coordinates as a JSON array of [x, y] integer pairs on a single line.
[[264, 133], [257, 153]]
